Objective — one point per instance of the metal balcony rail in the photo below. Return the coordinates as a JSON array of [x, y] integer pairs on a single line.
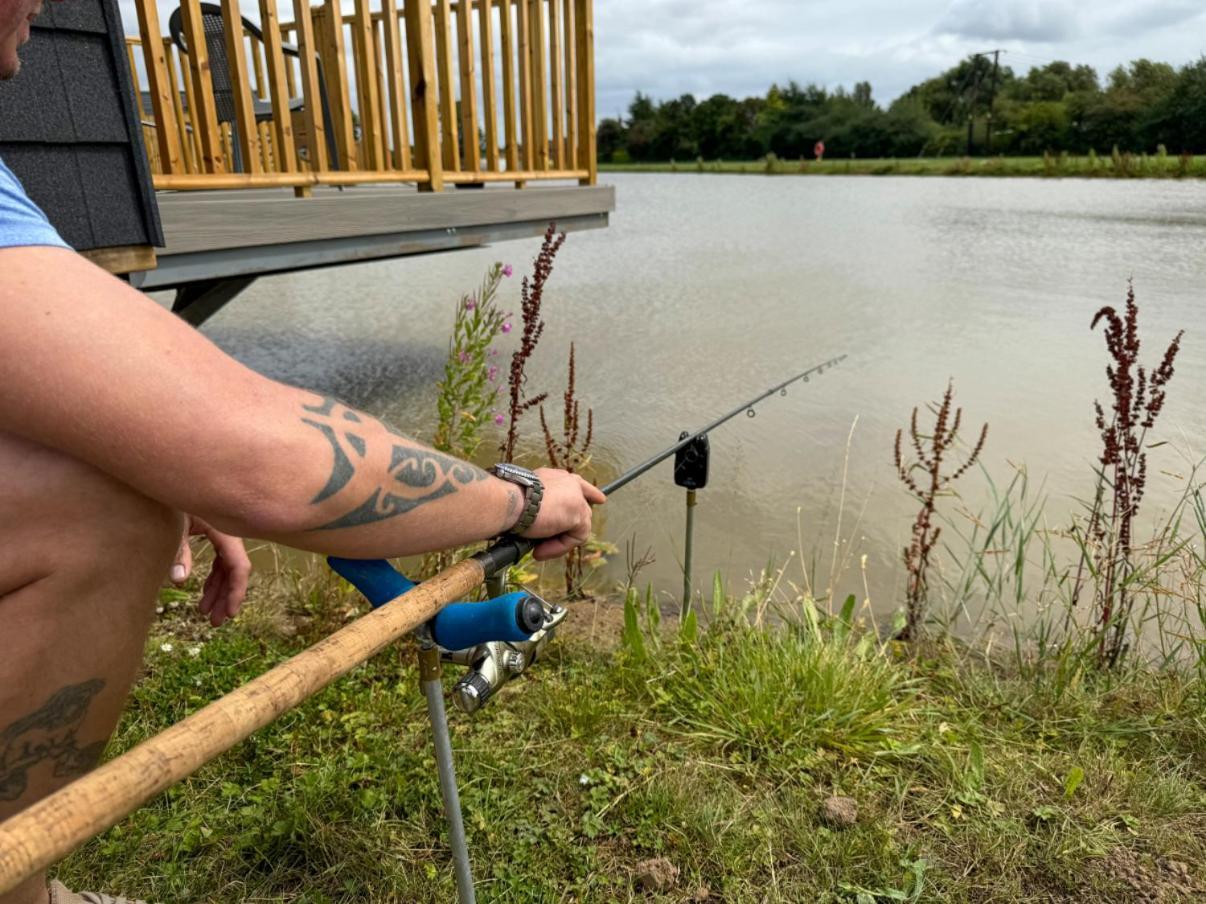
[[428, 93]]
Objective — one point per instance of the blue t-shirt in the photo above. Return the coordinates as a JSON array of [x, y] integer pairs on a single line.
[[21, 221]]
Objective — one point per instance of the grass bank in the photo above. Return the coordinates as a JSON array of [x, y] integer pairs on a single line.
[[1118, 166], [972, 781]]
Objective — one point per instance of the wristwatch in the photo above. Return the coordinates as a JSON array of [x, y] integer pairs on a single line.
[[533, 491]]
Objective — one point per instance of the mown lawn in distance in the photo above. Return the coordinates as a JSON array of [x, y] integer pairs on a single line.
[[716, 753], [1124, 166]]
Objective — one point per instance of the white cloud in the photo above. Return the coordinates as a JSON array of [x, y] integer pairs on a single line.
[[1042, 21]]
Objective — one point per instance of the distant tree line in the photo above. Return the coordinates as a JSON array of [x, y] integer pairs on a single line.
[[1056, 107]]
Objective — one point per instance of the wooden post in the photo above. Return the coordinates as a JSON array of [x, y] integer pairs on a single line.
[[307, 50], [471, 156], [204, 115], [524, 28], [336, 73], [489, 106], [364, 49], [421, 55], [571, 87], [448, 124], [162, 88], [261, 80], [555, 72], [397, 92], [282, 120], [540, 94], [383, 119], [588, 159], [236, 61], [188, 160], [508, 75]]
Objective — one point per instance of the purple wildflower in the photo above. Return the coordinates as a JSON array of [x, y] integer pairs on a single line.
[[492, 373], [470, 303], [499, 419], [507, 270], [506, 327], [463, 357]]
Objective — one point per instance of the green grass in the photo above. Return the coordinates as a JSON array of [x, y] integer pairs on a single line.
[[715, 751], [1053, 165]]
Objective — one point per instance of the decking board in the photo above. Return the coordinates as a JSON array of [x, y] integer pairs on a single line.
[[220, 234]]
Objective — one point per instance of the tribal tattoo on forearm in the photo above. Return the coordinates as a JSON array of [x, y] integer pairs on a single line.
[[414, 476], [49, 735]]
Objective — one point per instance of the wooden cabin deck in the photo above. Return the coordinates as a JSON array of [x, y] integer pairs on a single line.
[[219, 241], [387, 130]]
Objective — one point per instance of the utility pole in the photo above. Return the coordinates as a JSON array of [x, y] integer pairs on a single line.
[[992, 99], [971, 105]]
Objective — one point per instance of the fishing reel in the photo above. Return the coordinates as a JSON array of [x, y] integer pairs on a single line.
[[496, 639], [493, 663]]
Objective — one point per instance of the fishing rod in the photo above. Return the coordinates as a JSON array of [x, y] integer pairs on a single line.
[[509, 550], [60, 822]]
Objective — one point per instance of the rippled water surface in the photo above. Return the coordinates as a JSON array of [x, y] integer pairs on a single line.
[[706, 289]]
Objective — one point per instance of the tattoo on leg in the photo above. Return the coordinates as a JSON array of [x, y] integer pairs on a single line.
[[411, 469], [49, 733]]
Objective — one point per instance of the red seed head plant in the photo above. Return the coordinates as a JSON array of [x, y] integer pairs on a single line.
[[532, 295], [931, 451], [1137, 400], [570, 453]]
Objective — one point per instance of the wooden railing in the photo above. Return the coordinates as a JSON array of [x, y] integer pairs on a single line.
[[429, 92]]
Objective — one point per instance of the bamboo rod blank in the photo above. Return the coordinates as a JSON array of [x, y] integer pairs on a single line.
[[61, 822]]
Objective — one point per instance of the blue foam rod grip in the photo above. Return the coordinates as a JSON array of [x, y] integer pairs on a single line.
[[455, 627]]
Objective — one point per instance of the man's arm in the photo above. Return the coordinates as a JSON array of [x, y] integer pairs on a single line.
[[97, 370]]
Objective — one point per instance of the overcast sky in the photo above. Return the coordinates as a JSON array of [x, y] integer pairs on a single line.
[[670, 47]]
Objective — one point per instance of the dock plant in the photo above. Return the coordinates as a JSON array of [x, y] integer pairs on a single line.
[[1137, 398], [926, 488], [571, 453], [532, 295]]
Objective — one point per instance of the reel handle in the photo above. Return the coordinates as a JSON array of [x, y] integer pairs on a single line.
[[513, 617]]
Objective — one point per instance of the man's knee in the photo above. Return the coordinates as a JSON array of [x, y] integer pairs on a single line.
[[61, 516]]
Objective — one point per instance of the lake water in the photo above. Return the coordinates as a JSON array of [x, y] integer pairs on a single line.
[[707, 289]]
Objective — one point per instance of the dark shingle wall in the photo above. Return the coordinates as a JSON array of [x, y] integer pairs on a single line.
[[69, 130]]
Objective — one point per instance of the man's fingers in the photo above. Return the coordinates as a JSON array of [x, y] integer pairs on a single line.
[[183, 565], [592, 493], [553, 547]]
